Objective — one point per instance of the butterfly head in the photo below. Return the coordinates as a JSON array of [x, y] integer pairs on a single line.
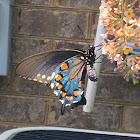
[[90, 56], [92, 51]]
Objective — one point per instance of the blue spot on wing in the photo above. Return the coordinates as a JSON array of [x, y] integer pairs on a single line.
[[75, 83], [57, 71], [70, 90], [64, 73], [64, 80], [68, 102], [69, 63], [78, 98], [68, 86]]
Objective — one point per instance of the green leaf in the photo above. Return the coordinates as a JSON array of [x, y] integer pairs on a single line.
[[127, 78], [135, 81], [126, 68]]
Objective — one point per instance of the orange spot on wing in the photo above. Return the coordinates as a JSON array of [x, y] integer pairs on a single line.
[[58, 77], [63, 94], [76, 92], [80, 84], [59, 86], [69, 98], [64, 66]]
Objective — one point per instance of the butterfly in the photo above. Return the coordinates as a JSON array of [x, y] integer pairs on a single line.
[[63, 70]]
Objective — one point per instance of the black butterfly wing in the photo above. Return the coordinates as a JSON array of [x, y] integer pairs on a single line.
[[67, 82], [61, 69], [40, 66]]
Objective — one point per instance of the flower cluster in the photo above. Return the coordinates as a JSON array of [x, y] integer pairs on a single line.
[[123, 26]]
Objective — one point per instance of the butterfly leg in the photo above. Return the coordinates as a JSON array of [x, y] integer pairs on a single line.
[[98, 45], [98, 50]]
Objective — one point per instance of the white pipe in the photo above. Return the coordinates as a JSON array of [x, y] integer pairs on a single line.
[[92, 86]]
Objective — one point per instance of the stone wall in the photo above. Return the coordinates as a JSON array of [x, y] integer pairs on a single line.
[[41, 25]]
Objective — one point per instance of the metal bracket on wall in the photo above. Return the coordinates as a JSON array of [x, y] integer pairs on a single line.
[[5, 35]]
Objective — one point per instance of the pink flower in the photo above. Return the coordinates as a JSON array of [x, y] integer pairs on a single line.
[[104, 36], [122, 26], [129, 31], [104, 50], [111, 48], [137, 30], [121, 31], [118, 58], [138, 65], [127, 50], [130, 61], [129, 13], [134, 68]]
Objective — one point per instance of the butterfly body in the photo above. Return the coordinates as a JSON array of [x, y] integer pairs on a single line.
[[63, 70]]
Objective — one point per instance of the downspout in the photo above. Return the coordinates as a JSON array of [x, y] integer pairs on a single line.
[[5, 35], [92, 86]]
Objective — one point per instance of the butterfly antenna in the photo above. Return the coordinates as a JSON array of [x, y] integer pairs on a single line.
[[83, 35], [98, 45]]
